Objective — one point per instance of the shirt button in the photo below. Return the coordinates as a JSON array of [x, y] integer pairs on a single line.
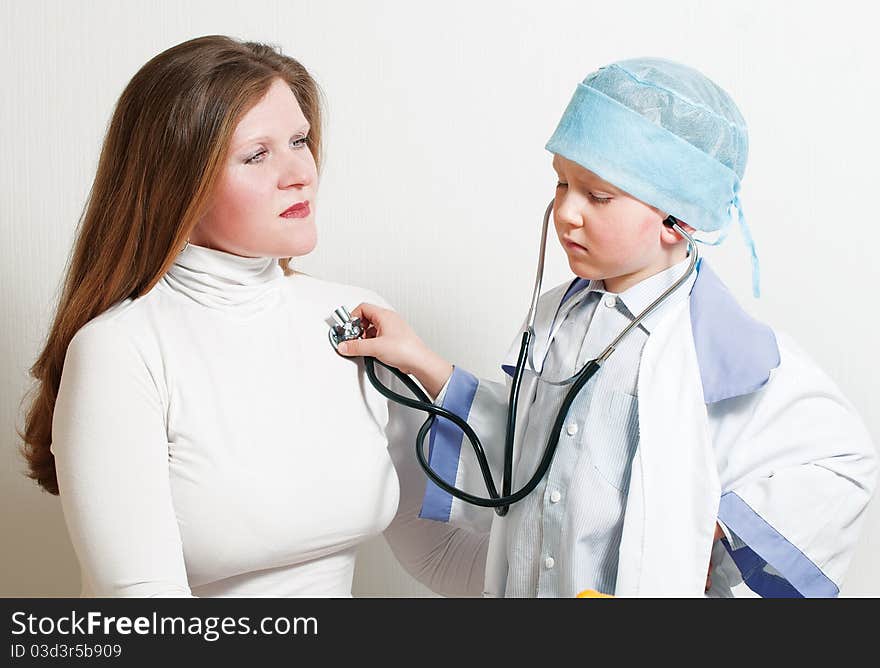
[[610, 301], [555, 496], [549, 562], [571, 429]]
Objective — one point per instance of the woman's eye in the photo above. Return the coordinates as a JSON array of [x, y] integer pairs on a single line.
[[600, 200], [297, 143], [560, 184]]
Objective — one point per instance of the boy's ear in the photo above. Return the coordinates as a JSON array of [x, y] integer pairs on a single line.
[[668, 233]]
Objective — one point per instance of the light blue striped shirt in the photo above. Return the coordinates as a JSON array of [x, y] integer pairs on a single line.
[[565, 536]]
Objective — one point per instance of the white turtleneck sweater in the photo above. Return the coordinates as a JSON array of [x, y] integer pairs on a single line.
[[209, 441]]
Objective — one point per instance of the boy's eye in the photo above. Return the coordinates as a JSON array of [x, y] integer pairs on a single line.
[[594, 198]]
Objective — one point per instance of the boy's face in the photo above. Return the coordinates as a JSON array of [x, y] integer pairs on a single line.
[[606, 233]]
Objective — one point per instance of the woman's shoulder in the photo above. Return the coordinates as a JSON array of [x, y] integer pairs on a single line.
[[116, 332], [331, 294], [101, 341]]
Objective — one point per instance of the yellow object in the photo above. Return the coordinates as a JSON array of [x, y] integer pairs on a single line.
[[592, 593]]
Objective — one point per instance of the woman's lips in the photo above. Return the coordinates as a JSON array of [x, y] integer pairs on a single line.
[[300, 210]]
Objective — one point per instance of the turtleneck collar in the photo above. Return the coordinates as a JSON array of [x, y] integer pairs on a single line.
[[221, 280]]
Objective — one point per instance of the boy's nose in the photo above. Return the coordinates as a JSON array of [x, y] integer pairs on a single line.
[[568, 215]]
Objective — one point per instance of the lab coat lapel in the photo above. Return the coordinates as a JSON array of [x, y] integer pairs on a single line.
[[674, 489]]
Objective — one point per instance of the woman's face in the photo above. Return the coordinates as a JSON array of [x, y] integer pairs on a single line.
[[269, 169]]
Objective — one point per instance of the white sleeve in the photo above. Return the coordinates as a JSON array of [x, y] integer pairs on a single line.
[[111, 457], [797, 478], [447, 559]]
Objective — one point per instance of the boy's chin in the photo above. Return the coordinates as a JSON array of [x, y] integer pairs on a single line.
[[584, 270]]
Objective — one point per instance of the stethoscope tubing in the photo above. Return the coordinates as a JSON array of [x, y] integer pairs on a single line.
[[502, 502]]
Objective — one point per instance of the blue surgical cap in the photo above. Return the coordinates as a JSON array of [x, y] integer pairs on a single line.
[[667, 135]]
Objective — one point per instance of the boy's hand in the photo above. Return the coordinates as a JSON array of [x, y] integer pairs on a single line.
[[719, 534], [391, 340]]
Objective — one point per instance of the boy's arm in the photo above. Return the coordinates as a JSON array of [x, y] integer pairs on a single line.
[[448, 556], [799, 470], [483, 404], [440, 540]]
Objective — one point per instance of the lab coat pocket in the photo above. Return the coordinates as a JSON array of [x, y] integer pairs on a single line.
[[613, 429]]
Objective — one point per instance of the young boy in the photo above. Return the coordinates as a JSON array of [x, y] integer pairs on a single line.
[[703, 425]]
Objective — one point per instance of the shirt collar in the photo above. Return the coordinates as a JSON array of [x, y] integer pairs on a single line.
[[642, 294], [736, 353], [638, 297]]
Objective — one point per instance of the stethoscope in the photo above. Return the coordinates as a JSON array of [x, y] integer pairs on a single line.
[[351, 328]]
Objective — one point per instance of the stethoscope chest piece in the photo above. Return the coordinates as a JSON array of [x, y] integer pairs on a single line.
[[346, 329]]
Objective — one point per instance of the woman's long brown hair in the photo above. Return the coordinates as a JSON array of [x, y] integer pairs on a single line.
[[164, 150]]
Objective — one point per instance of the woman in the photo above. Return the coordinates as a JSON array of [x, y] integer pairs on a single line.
[[204, 437]]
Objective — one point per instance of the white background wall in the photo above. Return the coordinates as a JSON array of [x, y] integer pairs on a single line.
[[436, 178]]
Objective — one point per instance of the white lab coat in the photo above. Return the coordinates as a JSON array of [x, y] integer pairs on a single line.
[[748, 430]]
